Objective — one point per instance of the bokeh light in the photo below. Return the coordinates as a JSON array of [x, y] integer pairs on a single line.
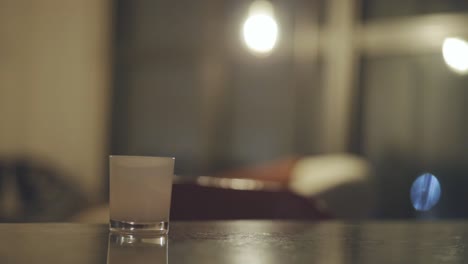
[[455, 53], [425, 192], [260, 30]]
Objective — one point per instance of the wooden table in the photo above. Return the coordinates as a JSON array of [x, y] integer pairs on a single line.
[[241, 242]]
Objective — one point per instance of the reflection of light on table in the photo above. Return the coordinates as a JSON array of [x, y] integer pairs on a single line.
[[455, 53], [136, 249], [260, 30], [425, 192]]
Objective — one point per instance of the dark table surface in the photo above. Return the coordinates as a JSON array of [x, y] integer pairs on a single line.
[[240, 242]]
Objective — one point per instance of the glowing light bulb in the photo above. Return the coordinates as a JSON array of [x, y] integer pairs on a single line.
[[260, 30], [455, 53]]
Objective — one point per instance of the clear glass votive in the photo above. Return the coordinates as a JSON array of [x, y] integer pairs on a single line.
[[140, 194]]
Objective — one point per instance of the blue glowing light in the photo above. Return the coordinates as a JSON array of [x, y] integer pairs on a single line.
[[425, 192]]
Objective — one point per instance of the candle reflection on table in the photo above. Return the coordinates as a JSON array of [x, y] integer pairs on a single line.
[[137, 249]]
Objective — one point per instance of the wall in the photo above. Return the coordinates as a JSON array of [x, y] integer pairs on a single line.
[[54, 78]]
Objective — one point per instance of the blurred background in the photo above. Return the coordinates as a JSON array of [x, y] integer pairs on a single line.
[[222, 85]]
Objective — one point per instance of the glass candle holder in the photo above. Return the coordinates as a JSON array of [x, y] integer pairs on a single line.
[[140, 194]]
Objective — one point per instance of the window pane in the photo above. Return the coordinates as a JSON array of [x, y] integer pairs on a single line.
[[415, 120], [192, 90]]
